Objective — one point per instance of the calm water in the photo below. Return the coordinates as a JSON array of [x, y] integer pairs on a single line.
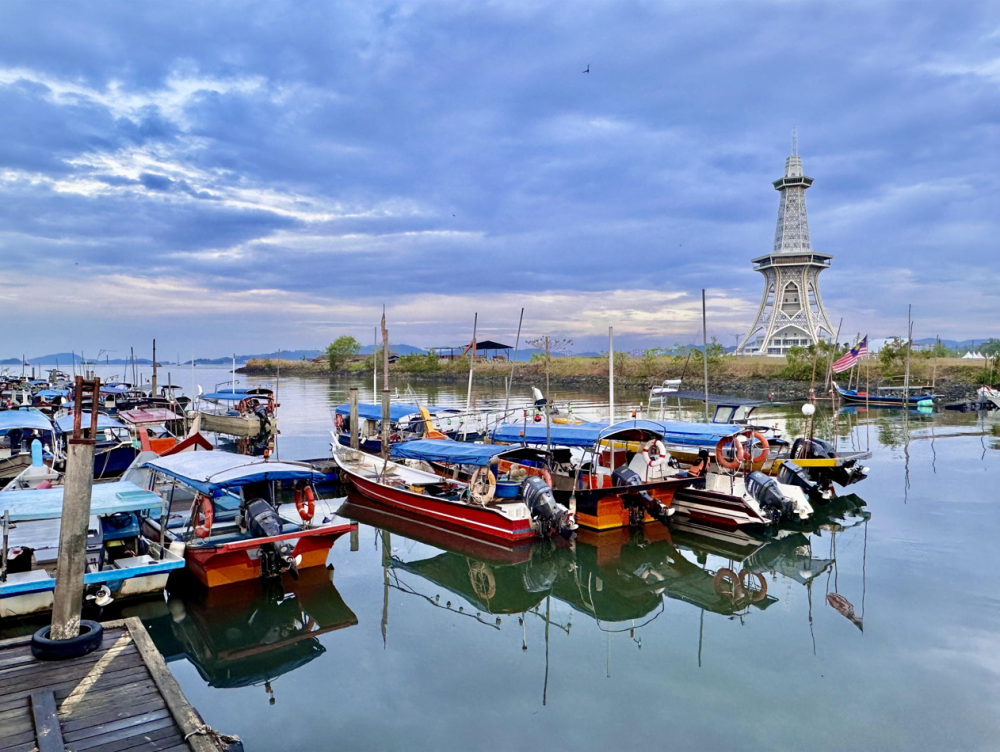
[[625, 642]]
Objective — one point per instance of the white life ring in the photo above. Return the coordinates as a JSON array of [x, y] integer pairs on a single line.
[[661, 452], [482, 486]]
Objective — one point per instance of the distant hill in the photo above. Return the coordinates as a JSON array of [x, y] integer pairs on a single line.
[[398, 349]]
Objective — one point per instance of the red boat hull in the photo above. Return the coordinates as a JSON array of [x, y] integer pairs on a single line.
[[481, 521], [238, 562]]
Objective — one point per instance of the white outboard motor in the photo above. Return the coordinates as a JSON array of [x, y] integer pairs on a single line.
[[542, 504]]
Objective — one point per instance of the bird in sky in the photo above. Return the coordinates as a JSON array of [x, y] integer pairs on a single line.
[[588, 68]]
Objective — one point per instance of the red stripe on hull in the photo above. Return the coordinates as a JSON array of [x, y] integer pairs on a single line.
[[481, 520], [214, 565]]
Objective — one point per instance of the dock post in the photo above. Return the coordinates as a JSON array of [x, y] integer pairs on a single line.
[[385, 423], [153, 383], [352, 398], [79, 481]]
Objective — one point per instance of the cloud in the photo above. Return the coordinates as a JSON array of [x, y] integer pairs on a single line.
[[448, 155]]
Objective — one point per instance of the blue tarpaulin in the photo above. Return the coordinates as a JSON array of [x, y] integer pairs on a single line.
[[451, 452], [24, 419], [587, 434], [397, 410], [105, 498], [65, 423], [211, 471]]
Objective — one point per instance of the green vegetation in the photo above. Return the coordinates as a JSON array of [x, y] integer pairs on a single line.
[[341, 350], [417, 363]]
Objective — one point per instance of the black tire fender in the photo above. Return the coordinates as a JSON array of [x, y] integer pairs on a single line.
[[45, 648]]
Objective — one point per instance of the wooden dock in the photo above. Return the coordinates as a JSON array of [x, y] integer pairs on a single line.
[[121, 697]]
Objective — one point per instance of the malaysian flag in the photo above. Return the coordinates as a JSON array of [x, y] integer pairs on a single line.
[[848, 359]]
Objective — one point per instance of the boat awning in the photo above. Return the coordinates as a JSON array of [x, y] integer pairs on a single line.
[[52, 393], [450, 452], [143, 416], [24, 419], [65, 422], [588, 434], [564, 435], [115, 389], [105, 498], [231, 396], [397, 410], [213, 471]]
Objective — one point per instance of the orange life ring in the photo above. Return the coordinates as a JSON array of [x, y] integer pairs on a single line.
[[338, 422], [202, 515], [720, 456], [742, 455], [306, 507], [755, 595], [734, 590]]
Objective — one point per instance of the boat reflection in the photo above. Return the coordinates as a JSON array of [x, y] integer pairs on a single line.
[[250, 633], [620, 578]]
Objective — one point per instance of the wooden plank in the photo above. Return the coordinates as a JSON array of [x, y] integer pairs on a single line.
[[125, 733], [26, 747], [13, 642], [104, 728], [9, 716], [17, 656], [107, 715], [121, 677], [41, 679], [11, 673], [16, 739], [22, 724], [186, 716], [48, 733], [168, 736], [112, 682], [129, 693]]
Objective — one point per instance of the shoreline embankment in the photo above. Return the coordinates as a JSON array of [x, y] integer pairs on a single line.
[[757, 378]]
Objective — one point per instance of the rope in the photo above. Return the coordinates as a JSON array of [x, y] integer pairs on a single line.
[[224, 740]]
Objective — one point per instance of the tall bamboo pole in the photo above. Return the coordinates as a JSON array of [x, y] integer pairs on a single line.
[[517, 342], [611, 374], [704, 340]]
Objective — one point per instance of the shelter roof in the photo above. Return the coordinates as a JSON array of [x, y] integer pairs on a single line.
[[24, 419], [105, 498], [213, 471]]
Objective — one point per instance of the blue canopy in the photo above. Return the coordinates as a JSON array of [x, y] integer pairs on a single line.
[[587, 434], [52, 393], [24, 419], [232, 397], [451, 452], [65, 422], [397, 410], [579, 435], [115, 389], [215, 470], [105, 498]]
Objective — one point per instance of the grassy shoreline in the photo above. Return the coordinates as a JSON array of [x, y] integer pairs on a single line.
[[757, 376]]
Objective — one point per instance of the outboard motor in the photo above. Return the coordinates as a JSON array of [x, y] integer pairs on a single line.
[[791, 474], [262, 521], [543, 506], [638, 502], [770, 498], [812, 449]]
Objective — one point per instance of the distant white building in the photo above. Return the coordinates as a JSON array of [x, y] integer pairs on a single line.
[[973, 356]]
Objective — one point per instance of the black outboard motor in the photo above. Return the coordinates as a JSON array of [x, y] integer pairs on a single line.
[[262, 521], [791, 474], [543, 506], [816, 449], [765, 490], [638, 502]]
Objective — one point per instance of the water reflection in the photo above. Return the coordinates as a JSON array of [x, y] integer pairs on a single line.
[[620, 579], [250, 633]]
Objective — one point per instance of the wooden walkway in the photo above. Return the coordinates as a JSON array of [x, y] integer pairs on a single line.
[[119, 698]]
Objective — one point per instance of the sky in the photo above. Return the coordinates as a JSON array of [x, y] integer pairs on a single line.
[[239, 177]]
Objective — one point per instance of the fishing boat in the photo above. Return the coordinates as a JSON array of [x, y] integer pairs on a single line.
[[156, 429], [238, 412], [113, 448], [407, 421], [495, 504], [236, 527], [18, 428], [121, 561], [887, 396], [250, 633]]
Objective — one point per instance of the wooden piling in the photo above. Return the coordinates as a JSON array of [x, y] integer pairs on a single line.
[[352, 397]]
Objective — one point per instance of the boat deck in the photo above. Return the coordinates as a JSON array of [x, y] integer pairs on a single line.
[[119, 697]]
